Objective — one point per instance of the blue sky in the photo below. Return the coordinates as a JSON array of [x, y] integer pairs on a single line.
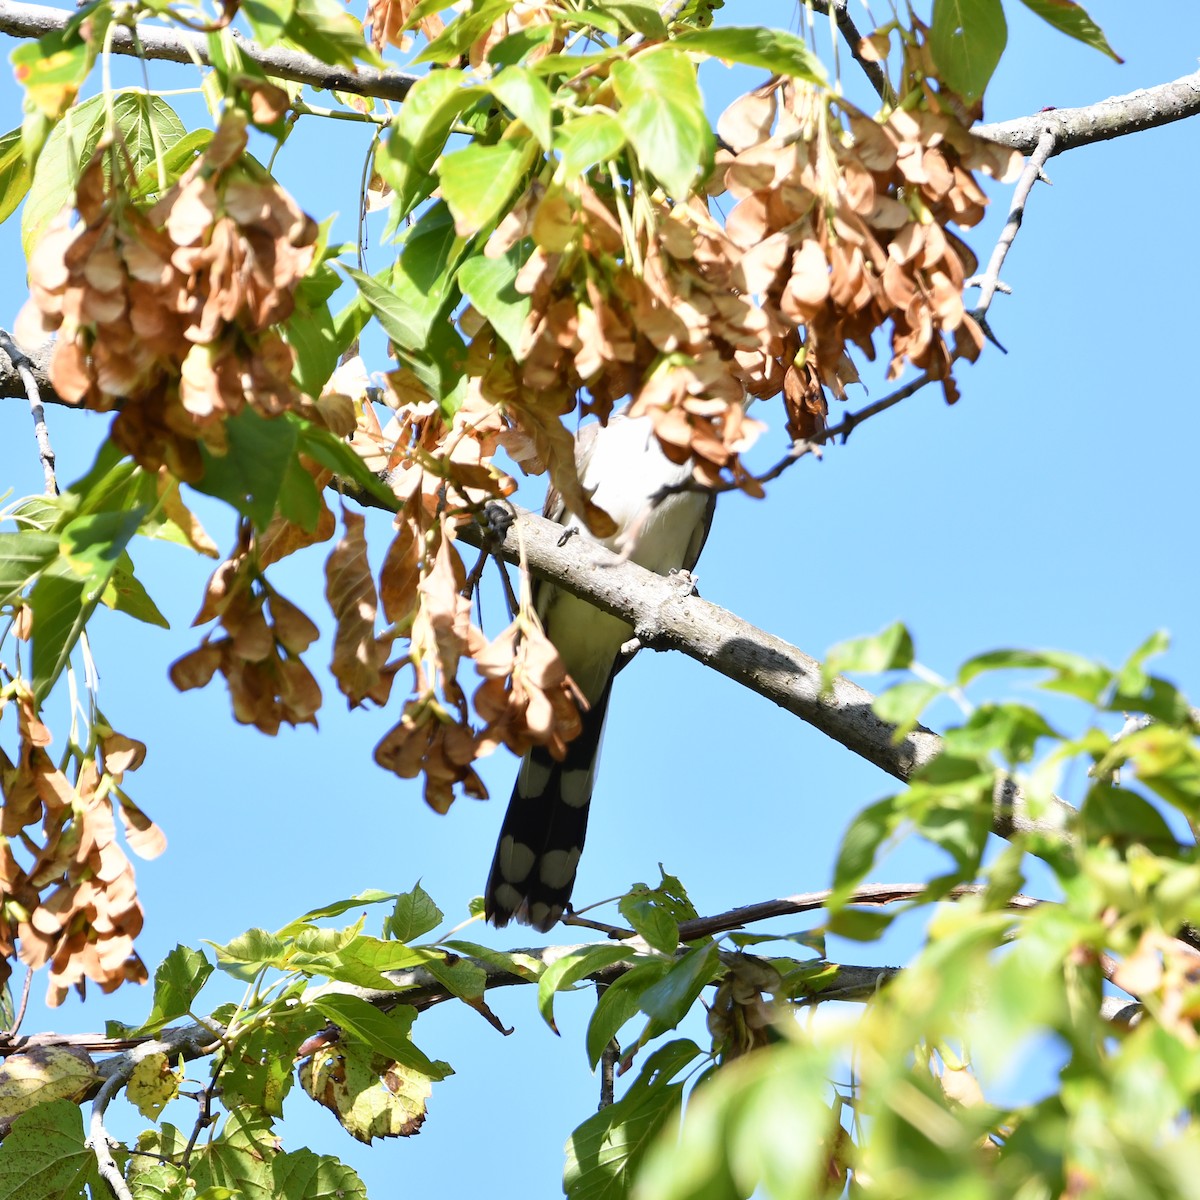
[[1055, 505]]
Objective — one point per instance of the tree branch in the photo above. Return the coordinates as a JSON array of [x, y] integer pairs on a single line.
[[1114, 117], [1102, 121], [989, 281], [664, 617], [24, 369], [177, 45]]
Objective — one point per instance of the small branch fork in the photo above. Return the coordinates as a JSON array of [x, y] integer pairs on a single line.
[[806, 446], [25, 370], [989, 282]]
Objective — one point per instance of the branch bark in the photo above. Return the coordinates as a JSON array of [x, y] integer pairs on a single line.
[[664, 617], [1102, 121]]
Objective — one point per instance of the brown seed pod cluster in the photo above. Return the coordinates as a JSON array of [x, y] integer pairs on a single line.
[[442, 470], [70, 897], [259, 654], [170, 314], [842, 225]]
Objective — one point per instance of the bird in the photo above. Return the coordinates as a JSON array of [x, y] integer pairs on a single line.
[[624, 468]]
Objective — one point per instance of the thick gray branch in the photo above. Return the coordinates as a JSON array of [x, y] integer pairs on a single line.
[[181, 46], [665, 617], [1099, 122]]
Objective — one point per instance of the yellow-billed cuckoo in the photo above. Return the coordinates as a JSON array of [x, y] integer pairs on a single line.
[[533, 870]]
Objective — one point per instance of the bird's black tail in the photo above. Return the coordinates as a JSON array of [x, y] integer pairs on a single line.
[[533, 870]]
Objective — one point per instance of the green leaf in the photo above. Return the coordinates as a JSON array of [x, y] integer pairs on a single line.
[[414, 915], [478, 181], [860, 846], [889, 650], [1117, 815], [457, 38], [967, 38], [773, 50], [738, 1136], [662, 113], [673, 895], [584, 141], [668, 1001], [652, 920], [52, 70], [1071, 18], [148, 126], [125, 593], [528, 99], [399, 322], [385, 1033], [305, 1175], [44, 1157], [459, 976], [567, 971], [249, 953], [638, 16], [1012, 729], [603, 1154], [60, 611], [490, 285], [903, 704], [422, 279], [64, 596], [418, 135], [22, 556], [331, 451], [859, 924], [268, 18], [70, 145], [324, 29], [260, 1069], [621, 1001], [177, 982], [311, 331], [511, 50], [250, 475], [437, 361], [299, 498], [362, 962], [335, 909], [1072, 673], [15, 174]]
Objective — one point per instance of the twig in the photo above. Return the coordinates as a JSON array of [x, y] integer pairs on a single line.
[[801, 449], [609, 1058], [16, 1025], [25, 369], [98, 1139], [868, 895], [989, 281], [846, 27], [205, 1117]]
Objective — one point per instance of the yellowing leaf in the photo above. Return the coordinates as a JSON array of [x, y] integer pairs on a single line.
[[42, 1074], [153, 1085]]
